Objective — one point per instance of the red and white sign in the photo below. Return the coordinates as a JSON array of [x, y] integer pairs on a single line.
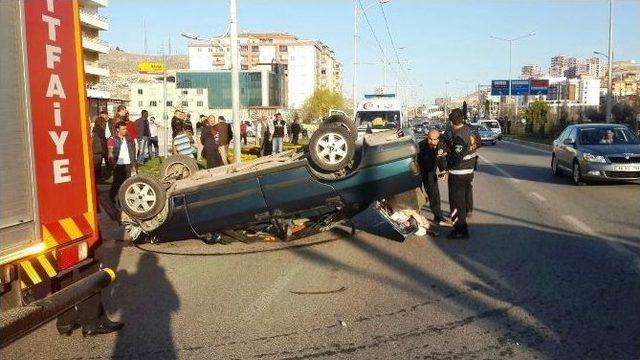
[[56, 84]]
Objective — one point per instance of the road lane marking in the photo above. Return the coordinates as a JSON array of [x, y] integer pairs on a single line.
[[268, 295], [499, 169], [614, 243], [528, 147], [538, 196]]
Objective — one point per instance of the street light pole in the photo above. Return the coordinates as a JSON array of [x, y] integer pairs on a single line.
[[355, 56], [609, 89], [510, 41], [235, 81], [610, 61]]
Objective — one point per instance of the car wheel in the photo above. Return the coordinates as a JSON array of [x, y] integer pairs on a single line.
[[554, 166], [178, 167], [331, 147], [344, 121], [142, 197], [576, 175], [493, 143]]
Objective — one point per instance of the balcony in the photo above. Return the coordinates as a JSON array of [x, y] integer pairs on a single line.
[[99, 3], [94, 69], [98, 94], [95, 44], [94, 21]]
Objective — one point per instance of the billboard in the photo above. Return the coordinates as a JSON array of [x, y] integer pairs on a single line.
[[519, 87], [147, 67], [539, 87], [499, 87]]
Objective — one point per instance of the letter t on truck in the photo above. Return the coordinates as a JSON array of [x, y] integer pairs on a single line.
[[48, 224]]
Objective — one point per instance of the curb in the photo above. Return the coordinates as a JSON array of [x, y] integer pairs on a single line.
[[530, 143]]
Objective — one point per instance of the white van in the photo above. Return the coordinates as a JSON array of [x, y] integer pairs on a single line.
[[378, 113]]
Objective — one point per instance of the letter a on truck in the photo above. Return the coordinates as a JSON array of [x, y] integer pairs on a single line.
[[48, 224]]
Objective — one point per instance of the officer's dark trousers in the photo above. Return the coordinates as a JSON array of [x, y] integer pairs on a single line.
[[430, 182], [459, 186], [470, 195]]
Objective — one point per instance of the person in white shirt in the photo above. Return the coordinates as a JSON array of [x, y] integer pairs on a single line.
[[122, 154], [154, 128]]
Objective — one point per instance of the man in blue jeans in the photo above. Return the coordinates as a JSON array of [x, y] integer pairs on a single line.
[[142, 126], [278, 130]]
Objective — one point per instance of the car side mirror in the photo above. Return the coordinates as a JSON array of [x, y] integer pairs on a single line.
[[569, 142]]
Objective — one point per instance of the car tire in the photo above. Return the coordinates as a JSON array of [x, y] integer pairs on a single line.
[[554, 166], [142, 197], [178, 167], [331, 147], [344, 121], [576, 174]]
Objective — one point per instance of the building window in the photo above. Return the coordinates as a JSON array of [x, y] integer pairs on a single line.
[[185, 103], [199, 91], [283, 48], [244, 48], [323, 72], [169, 103], [210, 49], [185, 92], [139, 91], [245, 67], [255, 48], [199, 49], [200, 103], [140, 103], [153, 103]]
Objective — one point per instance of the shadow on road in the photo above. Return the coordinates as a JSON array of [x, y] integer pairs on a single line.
[[147, 301], [580, 297]]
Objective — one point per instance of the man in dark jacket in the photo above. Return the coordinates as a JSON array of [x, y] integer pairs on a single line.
[[295, 131], [122, 155], [142, 127], [431, 158]]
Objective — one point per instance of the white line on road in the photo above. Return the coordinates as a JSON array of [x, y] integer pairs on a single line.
[[538, 196], [528, 147], [499, 169], [268, 295], [613, 242]]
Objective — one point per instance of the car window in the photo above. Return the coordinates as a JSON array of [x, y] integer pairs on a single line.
[[564, 134], [572, 135], [606, 136], [491, 124]]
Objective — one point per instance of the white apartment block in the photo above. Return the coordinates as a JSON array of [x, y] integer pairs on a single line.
[[92, 23], [572, 67], [149, 96], [307, 64], [574, 92]]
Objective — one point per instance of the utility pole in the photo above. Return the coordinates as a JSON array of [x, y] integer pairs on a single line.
[[144, 28], [355, 57], [235, 81], [446, 99], [165, 118], [610, 62]]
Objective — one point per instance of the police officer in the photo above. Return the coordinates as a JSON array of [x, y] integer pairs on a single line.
[[432, 157], [461, 161]]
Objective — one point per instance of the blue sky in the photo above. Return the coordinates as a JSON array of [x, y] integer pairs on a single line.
[[443, 40]]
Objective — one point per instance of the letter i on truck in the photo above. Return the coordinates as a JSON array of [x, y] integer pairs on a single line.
[[48, 225]]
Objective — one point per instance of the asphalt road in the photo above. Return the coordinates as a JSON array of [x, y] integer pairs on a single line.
[[552, 271]]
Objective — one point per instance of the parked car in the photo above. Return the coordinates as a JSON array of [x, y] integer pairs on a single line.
[[606, 152], [290, 194], [486, 135]]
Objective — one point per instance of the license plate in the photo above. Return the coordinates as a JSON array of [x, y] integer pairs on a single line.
[[627, 168]]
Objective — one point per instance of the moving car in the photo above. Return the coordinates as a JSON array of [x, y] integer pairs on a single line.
[[492, 125], [486, 135], [288, 194], [607, 152]]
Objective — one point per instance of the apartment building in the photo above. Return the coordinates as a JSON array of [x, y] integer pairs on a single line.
[[91, 24], [307, 64], [572, 67], [149, 96], [531, 71]]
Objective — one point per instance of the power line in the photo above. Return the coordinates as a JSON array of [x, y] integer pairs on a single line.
[[393, 44], [375, 36]]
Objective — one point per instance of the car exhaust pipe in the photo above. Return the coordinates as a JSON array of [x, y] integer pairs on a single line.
[[19, 321]]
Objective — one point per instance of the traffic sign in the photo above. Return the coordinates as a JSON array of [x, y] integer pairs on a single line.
[[499, 87], [519, 87], [539, 87]]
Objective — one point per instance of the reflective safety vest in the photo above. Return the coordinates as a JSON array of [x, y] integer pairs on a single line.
[[462, 151]]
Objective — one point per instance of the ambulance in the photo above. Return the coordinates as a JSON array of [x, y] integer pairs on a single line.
[[379, 112]]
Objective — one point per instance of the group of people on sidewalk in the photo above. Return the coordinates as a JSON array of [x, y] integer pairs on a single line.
[[453, 158]]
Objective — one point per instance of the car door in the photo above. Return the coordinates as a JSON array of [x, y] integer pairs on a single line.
[[565, 156]]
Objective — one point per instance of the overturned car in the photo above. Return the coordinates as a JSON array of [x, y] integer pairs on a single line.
[[291, 194]]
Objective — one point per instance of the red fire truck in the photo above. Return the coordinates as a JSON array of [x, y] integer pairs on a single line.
[[48, 220]]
